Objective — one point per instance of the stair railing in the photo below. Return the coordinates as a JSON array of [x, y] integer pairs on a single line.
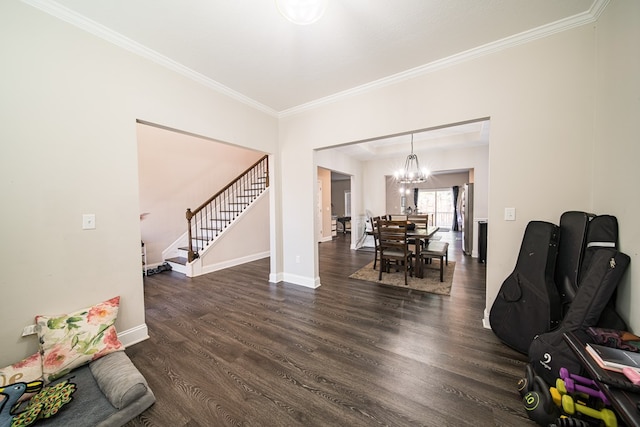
[[209, 219]]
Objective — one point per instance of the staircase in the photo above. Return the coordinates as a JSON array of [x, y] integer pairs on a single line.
[[209, 221]]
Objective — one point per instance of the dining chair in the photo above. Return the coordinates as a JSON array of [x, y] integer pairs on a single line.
[[376, 244], [420, 221], [394, 247], [394, 217], [417, 221]]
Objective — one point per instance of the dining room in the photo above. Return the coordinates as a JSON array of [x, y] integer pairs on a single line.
[[453, 155], [409, 252], [456, 159]]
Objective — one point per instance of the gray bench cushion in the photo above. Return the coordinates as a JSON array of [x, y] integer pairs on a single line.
[[119, 380], [436, 249]]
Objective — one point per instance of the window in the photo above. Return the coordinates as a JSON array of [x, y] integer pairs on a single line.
[[438, 204]]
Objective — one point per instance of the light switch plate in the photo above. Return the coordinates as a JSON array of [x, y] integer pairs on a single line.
[[509, 214], [88, 221]]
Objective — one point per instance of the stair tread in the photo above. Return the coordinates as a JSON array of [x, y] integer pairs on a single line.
[[177, 260]]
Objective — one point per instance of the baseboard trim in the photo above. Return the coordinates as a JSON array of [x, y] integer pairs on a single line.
[[301, 280], [485, 320], [276, 277], [233, 262], [134, 335]]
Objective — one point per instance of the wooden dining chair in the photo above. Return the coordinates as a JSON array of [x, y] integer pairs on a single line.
[[420, 221], [376, 243], [395, 217], [417, 221], [394, 247]]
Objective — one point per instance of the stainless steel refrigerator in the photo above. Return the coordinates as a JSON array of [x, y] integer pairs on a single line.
[[466, 213]]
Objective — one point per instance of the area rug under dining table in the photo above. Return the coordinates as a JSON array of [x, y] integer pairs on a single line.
[[430, 283]]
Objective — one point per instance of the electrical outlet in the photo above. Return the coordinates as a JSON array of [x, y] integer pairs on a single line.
[[297, 259], [88, 221], [29, 330]]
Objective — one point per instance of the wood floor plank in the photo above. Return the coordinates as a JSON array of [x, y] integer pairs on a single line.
[[229, 349]]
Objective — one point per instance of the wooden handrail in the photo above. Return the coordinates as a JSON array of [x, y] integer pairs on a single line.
[[226, 187], [222, 205]]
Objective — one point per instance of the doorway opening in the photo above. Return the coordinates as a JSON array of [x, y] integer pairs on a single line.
[[438, 204], [178, 170]]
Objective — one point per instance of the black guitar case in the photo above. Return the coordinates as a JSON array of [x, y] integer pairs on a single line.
[[528, 303], [581, 234], [549, 352], [603, 233], [571, 246]]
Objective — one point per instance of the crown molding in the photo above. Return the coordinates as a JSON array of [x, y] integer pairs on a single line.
[[55, 9], [525, 37]]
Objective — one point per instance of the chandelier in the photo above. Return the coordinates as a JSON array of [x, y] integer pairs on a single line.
[[302, 12], [411, 174]]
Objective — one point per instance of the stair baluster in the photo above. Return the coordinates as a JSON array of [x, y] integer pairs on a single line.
[[207, 221]]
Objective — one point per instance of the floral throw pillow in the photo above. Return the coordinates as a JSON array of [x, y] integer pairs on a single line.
[[71, 340], [25, 371]]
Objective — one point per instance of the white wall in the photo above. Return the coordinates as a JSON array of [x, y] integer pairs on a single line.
[[540, 99], [247, 239], [69, 106], [178, 171], [617, 142]]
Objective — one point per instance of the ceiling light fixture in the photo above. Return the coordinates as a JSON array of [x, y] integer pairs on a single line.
[[302, 12], [412, 174]]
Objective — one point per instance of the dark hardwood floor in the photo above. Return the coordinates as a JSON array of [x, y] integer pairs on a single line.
[[230, 348]]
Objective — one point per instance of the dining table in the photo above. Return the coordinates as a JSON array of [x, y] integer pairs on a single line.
[[423, 235]]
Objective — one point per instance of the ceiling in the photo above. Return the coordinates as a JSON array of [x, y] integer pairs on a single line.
[[246, 49], [448, 137]]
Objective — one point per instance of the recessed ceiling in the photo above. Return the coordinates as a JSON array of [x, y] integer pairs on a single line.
[[443, 138], [248, 50]]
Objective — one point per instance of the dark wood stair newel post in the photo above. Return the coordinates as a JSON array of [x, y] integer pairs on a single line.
[[190, 255]]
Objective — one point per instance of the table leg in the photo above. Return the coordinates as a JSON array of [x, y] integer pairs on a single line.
[[419, 271]]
